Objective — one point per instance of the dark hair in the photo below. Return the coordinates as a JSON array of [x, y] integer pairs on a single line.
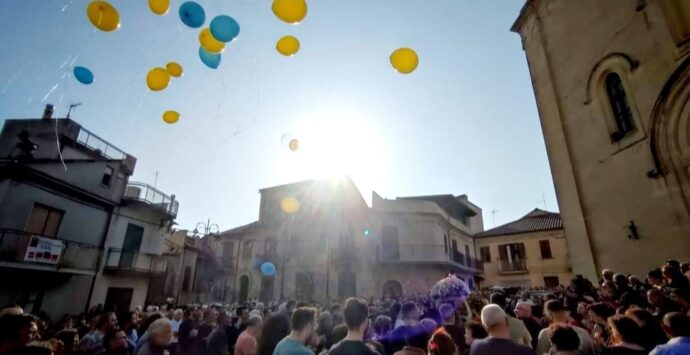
[[147, 322], [498, 299], [441, 343], [109, 336], [355, 312], [274, 329], [673, 263], [103, 320], [408, 308], [382, 325], [642, 314], [66, 336], [339, 333], [418, 337], [564, 337], [11, 325], [601, 309], [678, 324], [241, 309], [655, 274], [290, 304], [627, 328], [476, 330], [554, 306], [302, 317]]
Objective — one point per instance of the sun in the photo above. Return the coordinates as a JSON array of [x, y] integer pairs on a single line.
[[332, 146]]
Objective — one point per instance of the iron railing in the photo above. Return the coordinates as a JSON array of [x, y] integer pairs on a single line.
[[74, 255], [512, 266], [98, 144], [426, 253], [135, 261], [146, 193]]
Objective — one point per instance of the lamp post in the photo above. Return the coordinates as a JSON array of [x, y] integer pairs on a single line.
[[207, 227]]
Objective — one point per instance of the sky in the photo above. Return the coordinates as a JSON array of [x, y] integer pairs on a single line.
[[465, 122]]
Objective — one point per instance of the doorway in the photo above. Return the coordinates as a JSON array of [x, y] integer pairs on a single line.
[[118, 299], [131, 245]]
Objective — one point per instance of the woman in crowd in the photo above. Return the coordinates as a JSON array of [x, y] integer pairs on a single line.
[[274, 329], [598, 314], [625, 337], [441, 343], [652, 332], [473, 331]]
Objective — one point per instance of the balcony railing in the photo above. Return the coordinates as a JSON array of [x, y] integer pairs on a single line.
[[135, 261], [425, 253], [99, 144], [73, 255], [148, 194], [512, 266]]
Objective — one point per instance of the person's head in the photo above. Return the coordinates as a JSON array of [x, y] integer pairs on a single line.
[[254, 324], [441, 343], [498, 299], [677, 296], [211, 315], [356, 314], [106, 321], [599, 312], [607, 275], [224, 319], [624, 329], [564, 339], [655, 297], [609, 289], [273, 330], [325, 321], [676, 325], [177, 314], [634, 280], [447, 312], [428, 324], [290, 305], [382, 325], [474, 331], [620, 280], [70, 339], [556, 311], [304, 322], [495, 321], [243, 313], [115, 340], [655, 277], [684, 267], [160, 332], [641, 316], [523, 310], [11, 310], [410, 313]]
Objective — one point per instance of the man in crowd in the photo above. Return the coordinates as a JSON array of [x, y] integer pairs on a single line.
[[564, 340], [518, 332], [410, 318], [303, 327], [456, 331], [523, 312], [499, 341], [677, 327], [188, 330], [160, 337], [246, 342], [217, 342], [16, 331], [356, 318], [660, 304], [558, 315], [92, 342], [115, 342]]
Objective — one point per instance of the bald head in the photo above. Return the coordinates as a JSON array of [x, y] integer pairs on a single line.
[[495, 320], [523, 310]]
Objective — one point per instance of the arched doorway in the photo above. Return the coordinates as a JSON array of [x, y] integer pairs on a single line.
[[671, 138], [266, 294], [303, 287], [392, 289], [347, 284], [244, 288]]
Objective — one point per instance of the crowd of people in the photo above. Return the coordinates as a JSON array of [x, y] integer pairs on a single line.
[[623, 315]]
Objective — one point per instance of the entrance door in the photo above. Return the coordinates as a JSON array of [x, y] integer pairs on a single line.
[[266, 289], [347, 284], [118, 299], [131, 245], [244, 288]]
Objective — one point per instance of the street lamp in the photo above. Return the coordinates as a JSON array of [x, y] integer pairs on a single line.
[[207, 227]]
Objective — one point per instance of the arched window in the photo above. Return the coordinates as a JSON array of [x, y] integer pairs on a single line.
[[619, 106], [244, 288]]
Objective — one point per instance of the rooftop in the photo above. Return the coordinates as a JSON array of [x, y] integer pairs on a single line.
[[535, 221], [453, 205]]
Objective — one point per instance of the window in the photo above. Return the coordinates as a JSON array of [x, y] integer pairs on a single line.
[[545, 247], [485, 253], [619, 106], [390, 243], [551, 281], [187, 279], [445, 243], [467, 253], [44, 220], [512, 252], [107, 176]]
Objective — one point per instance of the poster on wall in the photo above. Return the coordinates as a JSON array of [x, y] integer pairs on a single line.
[[43, 250]]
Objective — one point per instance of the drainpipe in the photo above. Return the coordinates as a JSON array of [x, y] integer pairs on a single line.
[[182, 268], [101, 247]]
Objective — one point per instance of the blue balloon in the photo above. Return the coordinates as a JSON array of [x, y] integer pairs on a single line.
[[225, 28], [83, 75], [268, 269], [192, 14], [211, 60]]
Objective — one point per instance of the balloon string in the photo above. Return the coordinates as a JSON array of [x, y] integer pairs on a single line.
[[57, 142]]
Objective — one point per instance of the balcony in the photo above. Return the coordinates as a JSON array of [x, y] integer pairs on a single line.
[[344, 256], [134, 262], [424, 253], [153, 197], [508, 267], [71, 255]]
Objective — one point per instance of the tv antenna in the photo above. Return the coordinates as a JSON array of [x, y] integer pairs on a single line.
[[493, 217], [543, 201], [71, 106]]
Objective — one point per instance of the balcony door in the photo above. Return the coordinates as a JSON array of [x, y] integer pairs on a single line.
[[118, 299], [512, 253], [390, 245], [131, 245]]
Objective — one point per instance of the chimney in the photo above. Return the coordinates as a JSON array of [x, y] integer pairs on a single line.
[[48, 112]]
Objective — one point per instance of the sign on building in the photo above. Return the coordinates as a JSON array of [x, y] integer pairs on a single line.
[[43, 250]]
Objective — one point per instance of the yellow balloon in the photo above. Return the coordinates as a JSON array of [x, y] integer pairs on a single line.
[[159, 7], [294, 145], [174, 69], [171, 117], [288, 46], [289, 205], [103, 16], [157, 79], [210, 43], [404, 60], [290, 11]]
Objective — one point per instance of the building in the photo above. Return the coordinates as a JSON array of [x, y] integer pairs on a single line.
[[66, 207], [611, 84], [529, 252], [335, 246]]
